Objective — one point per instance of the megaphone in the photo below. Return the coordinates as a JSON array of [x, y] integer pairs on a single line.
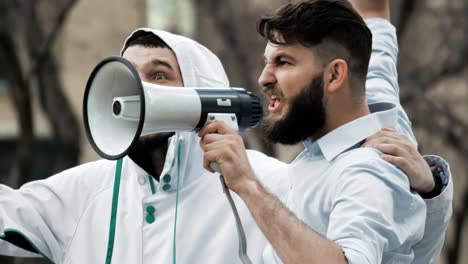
[[119, 108]]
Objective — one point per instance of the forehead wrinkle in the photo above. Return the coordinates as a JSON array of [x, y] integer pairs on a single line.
[[277, 54]]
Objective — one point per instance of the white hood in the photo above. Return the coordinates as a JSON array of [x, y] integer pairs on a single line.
[[199, 68]]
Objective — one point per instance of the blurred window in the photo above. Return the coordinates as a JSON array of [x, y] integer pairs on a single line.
[[175, 16]]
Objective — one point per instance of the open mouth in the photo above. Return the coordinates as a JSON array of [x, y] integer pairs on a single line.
[[275, 105]]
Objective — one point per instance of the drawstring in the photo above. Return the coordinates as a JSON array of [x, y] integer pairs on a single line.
[[174, 246], [115, 201]]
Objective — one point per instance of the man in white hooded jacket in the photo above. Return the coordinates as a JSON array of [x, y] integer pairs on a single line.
[[117, 212], [132, 211]]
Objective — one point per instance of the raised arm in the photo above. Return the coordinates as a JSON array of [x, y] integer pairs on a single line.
[[372, 8], [382, 86], [382, 78]]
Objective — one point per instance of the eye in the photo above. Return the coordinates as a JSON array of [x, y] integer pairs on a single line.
[[283, 63], [159, 76]]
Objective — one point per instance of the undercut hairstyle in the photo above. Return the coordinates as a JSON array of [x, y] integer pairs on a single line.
[[145, 39], [331, 27]]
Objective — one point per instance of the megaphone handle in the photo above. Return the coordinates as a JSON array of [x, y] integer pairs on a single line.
[[215, 167], [240, 230], [231, 120]]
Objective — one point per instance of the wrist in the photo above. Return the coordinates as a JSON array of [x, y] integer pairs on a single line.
[[384, 14], [249, 188], [438, 185], [429, 187]]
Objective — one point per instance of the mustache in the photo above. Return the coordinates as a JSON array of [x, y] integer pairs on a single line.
[[272, 90], [267, 89]]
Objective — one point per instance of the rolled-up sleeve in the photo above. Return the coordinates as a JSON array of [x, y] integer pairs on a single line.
[[439, 212], [375, 212], [382, 78]]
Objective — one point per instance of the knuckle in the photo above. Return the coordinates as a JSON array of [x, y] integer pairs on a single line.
[[404, 162], [407, 145]]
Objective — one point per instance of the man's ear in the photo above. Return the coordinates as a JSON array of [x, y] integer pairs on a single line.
[[336, 75]]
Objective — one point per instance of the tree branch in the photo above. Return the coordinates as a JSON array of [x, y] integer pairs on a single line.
[[49, 41], [65, 127], [20, 95]]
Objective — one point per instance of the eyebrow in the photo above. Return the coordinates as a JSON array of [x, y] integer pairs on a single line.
[[279, 56], [158, 62]]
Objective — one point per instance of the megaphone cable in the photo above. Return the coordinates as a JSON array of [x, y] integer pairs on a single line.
[[240, 230]]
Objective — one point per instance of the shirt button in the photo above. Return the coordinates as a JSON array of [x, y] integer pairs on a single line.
[[150, 219], [166, 187], [142, 180], [150, 209], [167, 178]]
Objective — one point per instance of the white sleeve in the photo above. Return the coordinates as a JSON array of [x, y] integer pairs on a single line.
[[382, 78], [8, 249], [43, 214], [439, 212]]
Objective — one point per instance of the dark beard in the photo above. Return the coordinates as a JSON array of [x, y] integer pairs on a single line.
[[150, 143], [149, 152], [305, 117]]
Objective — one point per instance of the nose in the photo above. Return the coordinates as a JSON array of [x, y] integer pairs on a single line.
[[267, 77]]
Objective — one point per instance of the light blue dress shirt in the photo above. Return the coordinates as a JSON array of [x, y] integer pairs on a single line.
[[350, 195], [353, 197]]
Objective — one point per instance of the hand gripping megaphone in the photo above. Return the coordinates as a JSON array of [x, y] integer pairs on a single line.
[[118, 108]]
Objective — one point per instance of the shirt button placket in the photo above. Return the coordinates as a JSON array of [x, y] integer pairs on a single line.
[[167, 179], [150, 218]]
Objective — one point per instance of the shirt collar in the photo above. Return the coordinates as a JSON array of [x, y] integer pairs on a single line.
[[350, 134]]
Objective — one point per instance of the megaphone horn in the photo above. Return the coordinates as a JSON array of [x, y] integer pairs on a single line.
[[119, 108]]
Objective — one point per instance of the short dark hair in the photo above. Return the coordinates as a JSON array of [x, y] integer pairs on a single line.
[[333, 23], [145, 39]]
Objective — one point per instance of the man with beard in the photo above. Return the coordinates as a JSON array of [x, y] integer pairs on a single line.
[[345, 203]]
